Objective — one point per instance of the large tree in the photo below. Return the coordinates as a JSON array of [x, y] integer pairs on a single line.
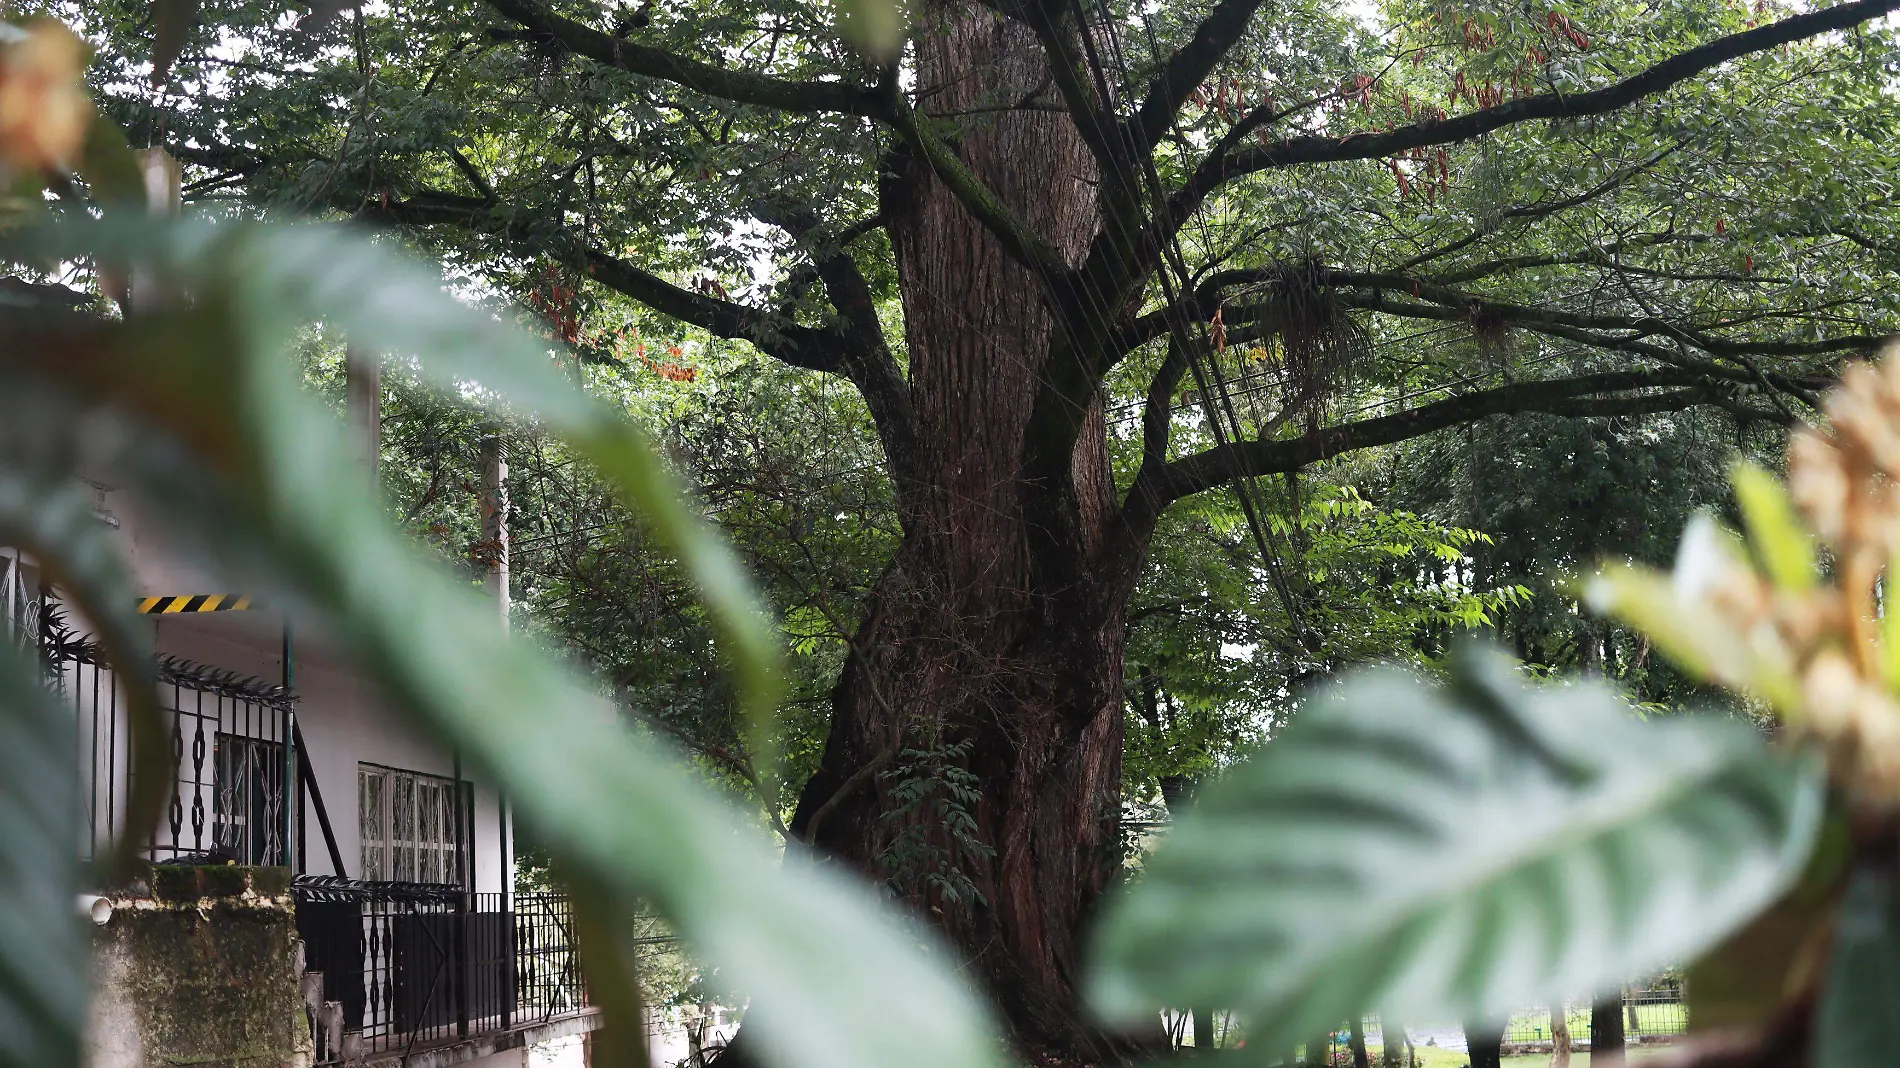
[[1044, 239]]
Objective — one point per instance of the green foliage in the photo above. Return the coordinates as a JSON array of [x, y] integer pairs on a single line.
[[1221, 643], [1456, 852], [1558, 497], [931, 781]]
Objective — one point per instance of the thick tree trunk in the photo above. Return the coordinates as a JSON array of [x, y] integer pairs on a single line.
[[1395, 1052], [1485, 1043], [974, 759], [1560, 1036], [1358, 1044], [1606, 1032], [1203, 1028]]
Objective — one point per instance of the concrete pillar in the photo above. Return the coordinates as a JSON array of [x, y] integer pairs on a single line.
[[200, 966]]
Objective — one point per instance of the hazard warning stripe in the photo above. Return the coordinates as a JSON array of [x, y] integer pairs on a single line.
[[200, 602]]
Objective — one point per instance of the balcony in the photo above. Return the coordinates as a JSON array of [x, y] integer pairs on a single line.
[[411, 969], [227, 738]]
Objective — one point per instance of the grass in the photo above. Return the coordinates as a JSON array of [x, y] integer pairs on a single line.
[[1434, 1057], [1657, 1017]]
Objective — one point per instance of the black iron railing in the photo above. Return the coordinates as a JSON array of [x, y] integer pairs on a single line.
[[225, 735], [412, 965]]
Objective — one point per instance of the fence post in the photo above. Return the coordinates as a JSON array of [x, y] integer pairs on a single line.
[[459, 970], [510, 953]]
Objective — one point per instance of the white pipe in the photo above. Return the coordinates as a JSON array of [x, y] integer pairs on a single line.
[[95, 908]]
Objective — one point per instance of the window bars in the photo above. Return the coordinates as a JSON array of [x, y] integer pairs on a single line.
[[407, 822]]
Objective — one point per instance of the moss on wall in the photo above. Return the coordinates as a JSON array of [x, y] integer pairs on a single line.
[[204, 970]]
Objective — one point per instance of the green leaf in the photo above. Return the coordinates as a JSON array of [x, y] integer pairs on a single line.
[[271, 492], [400, 307], [1456, 852], [109, 167], [1853, 1022], [47, 512], [1784, 545], [874, 27], [173, 20], [1676, 614], [42, 946], [310, 272], [1741, 983]]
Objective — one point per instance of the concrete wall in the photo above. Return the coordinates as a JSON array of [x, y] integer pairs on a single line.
[[199, 967]]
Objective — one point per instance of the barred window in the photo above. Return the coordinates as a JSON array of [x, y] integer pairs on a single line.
[[248, 799], [408, 825]]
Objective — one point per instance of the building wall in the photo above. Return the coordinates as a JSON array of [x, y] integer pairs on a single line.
[[343, 722]]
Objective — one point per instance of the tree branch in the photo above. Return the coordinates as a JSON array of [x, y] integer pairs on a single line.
[[1564, 324], [1186, 69], [1221, 168], [864, 352], [1538, 211], [1605, 393], [772, 334], [741, 87], [792, 343]]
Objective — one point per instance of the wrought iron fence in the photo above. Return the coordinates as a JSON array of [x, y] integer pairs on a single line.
[[410, 965], [226, 735], [549, 965], [1653, 1013]]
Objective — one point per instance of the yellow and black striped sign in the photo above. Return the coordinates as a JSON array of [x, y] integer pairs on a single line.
[[201, 602]]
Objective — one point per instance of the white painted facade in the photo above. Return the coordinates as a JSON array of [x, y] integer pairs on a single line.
[[342, 721]]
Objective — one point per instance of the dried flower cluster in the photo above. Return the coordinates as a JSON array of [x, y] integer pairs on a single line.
[[1806, 615], [44, 108], [1821, 648], [1843, 478]]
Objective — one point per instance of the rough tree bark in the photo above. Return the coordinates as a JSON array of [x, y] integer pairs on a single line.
[[994, 640]]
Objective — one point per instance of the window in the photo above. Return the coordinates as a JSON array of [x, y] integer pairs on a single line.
[[408, 825], [248, 799]]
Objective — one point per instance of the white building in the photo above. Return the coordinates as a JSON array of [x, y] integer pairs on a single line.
[[418, 949]]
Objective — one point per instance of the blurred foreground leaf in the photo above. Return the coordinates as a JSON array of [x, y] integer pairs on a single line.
[[172, 24], [1456, 852], [42, 947], [47, 513], [874, 27], [1853, 1026]]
